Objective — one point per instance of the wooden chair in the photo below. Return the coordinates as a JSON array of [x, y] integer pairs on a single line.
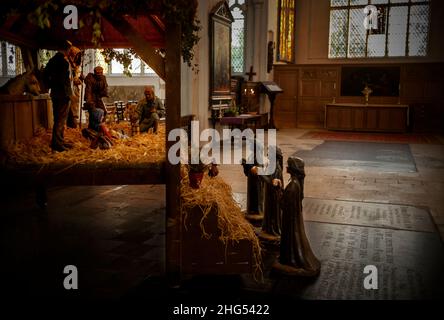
[[111, 112], [120, 110]]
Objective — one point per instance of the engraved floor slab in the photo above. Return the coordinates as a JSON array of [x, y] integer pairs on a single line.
[[410, 264], [368, 214], [402, 217], [362, 155]]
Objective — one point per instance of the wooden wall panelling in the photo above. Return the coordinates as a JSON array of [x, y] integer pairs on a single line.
[[328, 88], [397, 119], [359, 120], [422, 85], [358, 117], [309, 91], [346, 118], [412, 88], [309, 88], [318, 86], [286, 102], [372, 120], [433, 89]]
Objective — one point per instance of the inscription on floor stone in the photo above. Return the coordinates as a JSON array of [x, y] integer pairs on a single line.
[[409, 263], [368, 214]]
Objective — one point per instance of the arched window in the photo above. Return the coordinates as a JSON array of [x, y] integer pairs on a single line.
[[238, 11]]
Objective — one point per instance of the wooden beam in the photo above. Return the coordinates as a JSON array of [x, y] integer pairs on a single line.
[[17, 39], [173, 120], [160, 27], [142, 47]]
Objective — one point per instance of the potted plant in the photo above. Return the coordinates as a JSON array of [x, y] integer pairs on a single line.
[[196, 173], [232, 111], [229, 113]]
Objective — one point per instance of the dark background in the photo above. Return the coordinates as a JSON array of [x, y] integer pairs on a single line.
[[384, 81]]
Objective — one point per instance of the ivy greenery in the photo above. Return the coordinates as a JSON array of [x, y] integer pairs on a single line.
[[171, 11], [125, 58]]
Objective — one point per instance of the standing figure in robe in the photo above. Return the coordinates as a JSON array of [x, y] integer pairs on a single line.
[[296, 257], [255, 198], [271, 225]]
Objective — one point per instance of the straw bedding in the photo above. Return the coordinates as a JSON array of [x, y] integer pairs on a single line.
[[136, 150], [231, 221]]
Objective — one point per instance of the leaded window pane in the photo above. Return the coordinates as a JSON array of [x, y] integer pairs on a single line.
[[356, 34], [418, 30], [338, 34], [397, 31], [403, 27], [358, 2], [10, 59], [339, 3], [237, 40], [376, 45]]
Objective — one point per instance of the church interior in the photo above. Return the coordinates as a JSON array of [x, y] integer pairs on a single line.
[[352, 91]]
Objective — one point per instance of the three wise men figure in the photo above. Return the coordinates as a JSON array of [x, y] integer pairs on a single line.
[[273, 187], [296, 257]]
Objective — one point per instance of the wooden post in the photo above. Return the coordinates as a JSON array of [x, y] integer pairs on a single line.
[[30, 57], [173, 107]]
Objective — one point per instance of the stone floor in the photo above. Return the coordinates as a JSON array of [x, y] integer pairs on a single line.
[[115, 236]]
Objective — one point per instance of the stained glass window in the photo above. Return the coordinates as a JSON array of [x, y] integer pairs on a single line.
[[238, 11], [403, 27], [286, 23]]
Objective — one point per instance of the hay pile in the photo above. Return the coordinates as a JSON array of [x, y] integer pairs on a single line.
[[231, 221], [139, 149]]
